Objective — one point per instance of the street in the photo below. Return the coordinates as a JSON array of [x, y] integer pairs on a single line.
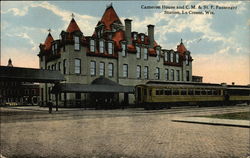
[[33, 132]]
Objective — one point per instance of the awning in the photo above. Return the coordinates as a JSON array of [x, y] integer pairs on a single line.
[[84, 88], [30, 75], [101, 85]]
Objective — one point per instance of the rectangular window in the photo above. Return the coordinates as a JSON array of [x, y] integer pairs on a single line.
[[166, 74], [168, 92], [77, 66], [102, 69], [138, 52], [110, 48], [59, 66], [178, 75], [187, 75], [123, 50], [172, 75], [146, 72], [77, 42], [125, 70], [138, 71], [158, 54], [157, 73], [92, 45], [111, 69], [92, 67], [145, 50], [101, 47], [64, 66]]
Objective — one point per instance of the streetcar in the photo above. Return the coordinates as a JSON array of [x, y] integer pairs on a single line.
[[158, 94]]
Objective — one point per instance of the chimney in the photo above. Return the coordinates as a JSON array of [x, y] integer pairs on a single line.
[[151, 35], [128, 30]]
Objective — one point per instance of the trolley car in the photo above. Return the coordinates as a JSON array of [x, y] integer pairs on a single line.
[[157, 95]]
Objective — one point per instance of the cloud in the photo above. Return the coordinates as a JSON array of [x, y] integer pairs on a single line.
[[85, 22]]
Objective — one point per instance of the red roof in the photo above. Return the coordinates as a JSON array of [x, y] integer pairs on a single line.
[[131, 48], [118, 36], [73, 26], [181, 48], [48, 42], [109, 17]]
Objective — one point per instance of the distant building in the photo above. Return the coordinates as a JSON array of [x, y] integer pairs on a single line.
[[113, 52], [197, 78], [18, 93]]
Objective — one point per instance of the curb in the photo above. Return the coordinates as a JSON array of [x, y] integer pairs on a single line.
[[216, 122]]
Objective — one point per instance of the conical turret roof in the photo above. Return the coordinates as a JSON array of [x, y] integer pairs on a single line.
[[72, 26], [48, 42]]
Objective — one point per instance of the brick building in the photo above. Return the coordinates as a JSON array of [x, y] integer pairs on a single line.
[[113, 52]]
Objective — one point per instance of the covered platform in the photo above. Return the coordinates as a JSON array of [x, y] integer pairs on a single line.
[[100, 91], [30, 75]]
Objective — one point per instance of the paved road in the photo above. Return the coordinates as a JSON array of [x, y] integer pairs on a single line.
[[32, 132]]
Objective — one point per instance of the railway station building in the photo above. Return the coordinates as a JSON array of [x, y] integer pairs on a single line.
[[105, 66]]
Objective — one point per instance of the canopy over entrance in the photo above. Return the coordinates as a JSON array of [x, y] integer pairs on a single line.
[[101, 85]]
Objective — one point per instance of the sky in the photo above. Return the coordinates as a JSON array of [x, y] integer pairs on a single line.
[[219, 42]]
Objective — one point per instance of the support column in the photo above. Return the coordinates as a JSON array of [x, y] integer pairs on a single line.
[[56, 101]]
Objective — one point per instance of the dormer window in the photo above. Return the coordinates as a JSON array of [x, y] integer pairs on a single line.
[[142, 38], [166, 56], [101, 47], [177, 57], [92, 45], [123, 49], [77, 42], [110, 48], [54, 48], [171, 57], [135, 36]]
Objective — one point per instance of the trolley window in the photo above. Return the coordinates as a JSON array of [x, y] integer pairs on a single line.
[[190, 92], [203, 92], [209, 92], [183, 92], [167, 92], [175, 92], [197, 92]]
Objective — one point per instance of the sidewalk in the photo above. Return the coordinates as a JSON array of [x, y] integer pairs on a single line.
[[213, 121]]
